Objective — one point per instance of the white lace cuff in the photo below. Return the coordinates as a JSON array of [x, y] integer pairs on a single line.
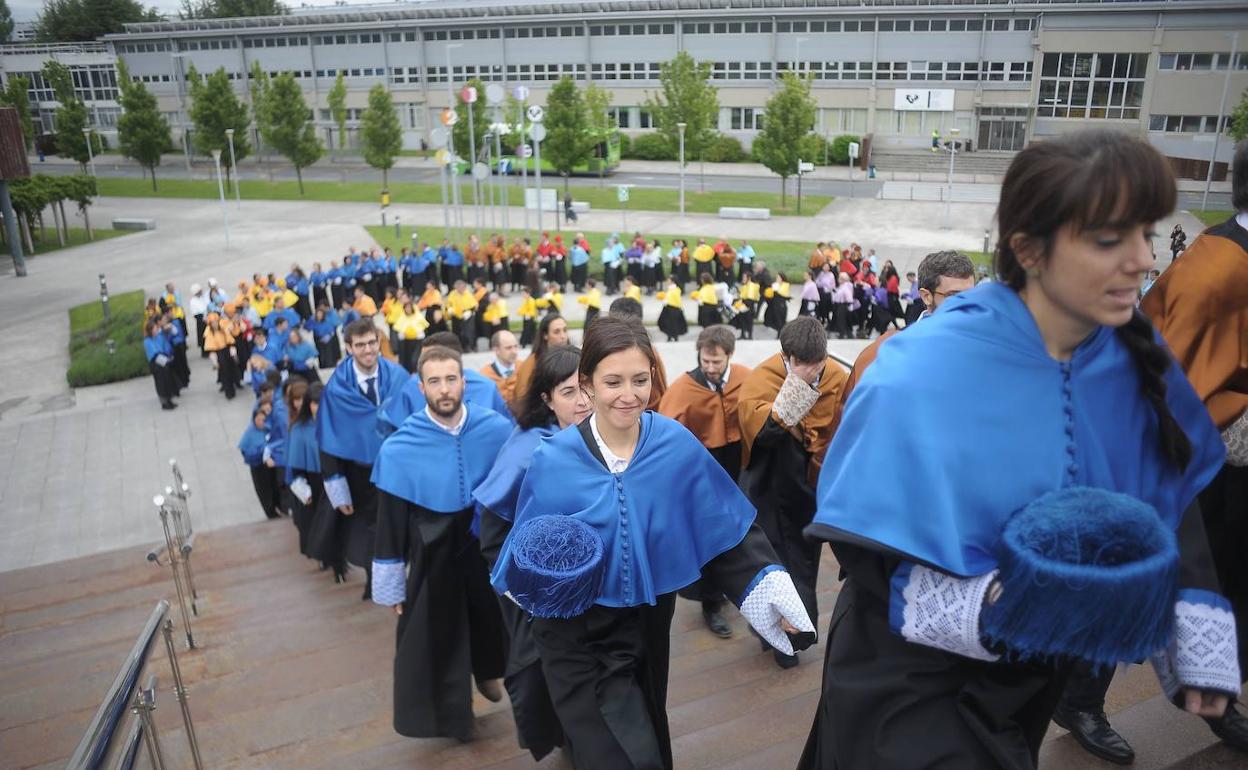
[[770, 600], [1203, 653], [1236, 438], [337, 490], [389, 582], [794, 400], [939, 610]]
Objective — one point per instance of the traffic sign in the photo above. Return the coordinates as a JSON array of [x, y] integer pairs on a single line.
[[438, 136], [526, 151], [494, 93], [521, 93], [536, 113], [805, 168], [442, 157], [468, 95], [853, 150], [480, 172], [621, 193], [538, 132], [449, 117]]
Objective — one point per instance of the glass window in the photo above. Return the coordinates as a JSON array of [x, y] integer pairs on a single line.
[[751, 27], [974, 25], [799, 26], [850, 26], [830, 26], [957, 25], [1202, 61], [765, 26], [903, 25], [939, 25], [922, 25], [784, 26], [816, 26], [1000, 25], [886, 25]]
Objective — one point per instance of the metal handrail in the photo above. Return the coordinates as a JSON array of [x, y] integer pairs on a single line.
[[129, 753], [94, 744], [177, 562]]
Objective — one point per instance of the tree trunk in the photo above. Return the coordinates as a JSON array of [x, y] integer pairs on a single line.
[[385, 178], [64, 219], [58, 224], [43, 230], [30, 242], [86, 218], [152, 169], [299, 176], [782, 190]]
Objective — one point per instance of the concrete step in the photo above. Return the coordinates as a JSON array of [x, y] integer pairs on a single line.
[[927, 161]]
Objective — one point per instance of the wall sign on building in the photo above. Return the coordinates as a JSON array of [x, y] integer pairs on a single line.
[[923, 99]]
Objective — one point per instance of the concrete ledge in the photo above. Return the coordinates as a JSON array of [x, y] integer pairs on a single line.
[[134, 223], [580, 207], [741, 212]]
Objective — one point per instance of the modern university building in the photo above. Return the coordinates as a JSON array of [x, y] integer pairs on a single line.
[[1003, 72]]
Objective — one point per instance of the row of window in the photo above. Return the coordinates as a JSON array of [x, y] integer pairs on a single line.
[[1095, 65], [211, 45], [1188, 124], [615, 30], [1092, 85], [1197, 62], [899, 70], [149, 47], [92, 83], [852, 25], [292, 41], [362, 38]]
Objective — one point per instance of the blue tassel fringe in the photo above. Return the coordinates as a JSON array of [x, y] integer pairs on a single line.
[[1086, 573], [556, 567]]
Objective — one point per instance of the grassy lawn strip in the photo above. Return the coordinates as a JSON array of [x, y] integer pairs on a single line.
[[1212, 217], [90, 363], [790, 257], [642, 199], [77, 237]]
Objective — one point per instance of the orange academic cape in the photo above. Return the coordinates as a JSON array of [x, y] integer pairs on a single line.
[[524, 375], [707, 414], [506, 386], [1200, 306], [815, 429]]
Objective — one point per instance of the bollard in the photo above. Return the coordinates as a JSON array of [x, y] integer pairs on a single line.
[[104, 299]]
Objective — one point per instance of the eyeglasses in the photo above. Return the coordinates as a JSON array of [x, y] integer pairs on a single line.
[[954, 293], [373, 343]]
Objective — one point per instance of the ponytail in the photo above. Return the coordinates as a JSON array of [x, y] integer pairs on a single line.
[[1152, 360]]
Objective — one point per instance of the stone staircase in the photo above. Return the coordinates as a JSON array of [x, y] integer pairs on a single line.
[[928, 162]]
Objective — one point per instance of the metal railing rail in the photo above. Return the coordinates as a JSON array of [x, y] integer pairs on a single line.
[[94, 744], [182, 490], [176, 552], [129, 753], [180, 517]]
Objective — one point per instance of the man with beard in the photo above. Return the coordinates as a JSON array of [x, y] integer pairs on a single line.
[[478, 388], [450, 626], [347, 424], [704, 400]]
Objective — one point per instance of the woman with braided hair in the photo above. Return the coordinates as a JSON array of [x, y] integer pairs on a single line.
[[1060, 451]]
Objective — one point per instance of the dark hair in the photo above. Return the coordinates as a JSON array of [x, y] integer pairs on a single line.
[[438, 353], [704, 279], [543, 328], [717, 336], [1089, 180], [804, 340], [444, 340], [610, 335], [296, 388], [496, 338], [556, 365], [1239, 177], [360, 327], [625, 307], [939, 264], [312, 396]]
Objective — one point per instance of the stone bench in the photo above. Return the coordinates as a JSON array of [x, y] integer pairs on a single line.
[[134, 223], [741, 212], [580, 207]]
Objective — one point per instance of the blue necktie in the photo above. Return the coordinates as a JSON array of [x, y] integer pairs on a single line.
[[370, 389]]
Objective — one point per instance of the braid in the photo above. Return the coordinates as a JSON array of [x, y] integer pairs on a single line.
[[1153, 361]]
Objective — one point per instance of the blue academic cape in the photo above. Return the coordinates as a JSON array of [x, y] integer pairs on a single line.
[[478, 389], [1000, 423], [501, 488], [347, 423], [661, 520], [302, 452], [252, 445], [157, 346], [425, 465]]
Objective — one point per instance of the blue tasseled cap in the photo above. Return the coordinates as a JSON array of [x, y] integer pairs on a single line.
[[555, 568]]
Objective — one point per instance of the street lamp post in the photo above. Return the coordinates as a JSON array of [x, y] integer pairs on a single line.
[[225, 212], [86, 134], [452, 167], [682, 127], [953, 151], [178, 85], [238, 197], [1217, 129]]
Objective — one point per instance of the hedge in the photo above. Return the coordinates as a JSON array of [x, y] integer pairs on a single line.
[[90, 363]]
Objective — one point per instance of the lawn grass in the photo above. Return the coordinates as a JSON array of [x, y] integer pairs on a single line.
[[1213, 216], [90, 362], [641, 198], [77, 237]]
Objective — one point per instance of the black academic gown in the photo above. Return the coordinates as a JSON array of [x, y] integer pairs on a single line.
[[450, 628], [939, 709], [607, 669], [537, 724], [341, 537]]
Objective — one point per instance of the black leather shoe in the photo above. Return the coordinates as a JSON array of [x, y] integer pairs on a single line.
[[716, 623], [1093, 732], [785, 661], [1232, 728]]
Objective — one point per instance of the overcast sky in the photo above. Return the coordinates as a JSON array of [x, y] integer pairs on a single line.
[[28, 10]]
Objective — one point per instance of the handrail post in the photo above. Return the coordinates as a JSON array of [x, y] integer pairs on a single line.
[[175, 554], [179, 690], [184, 491], [144, 705], [181, 528]]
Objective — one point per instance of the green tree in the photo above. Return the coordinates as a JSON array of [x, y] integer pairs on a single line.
[[337, 100], [1238, 119], [214, 108], [687, 97], [598, 116], [142, 131], [380, 133], [568, 144], [480, 120], [69, 21], [258, 88], [16, 94], [790, 115], [231, 9], [71, 116], [289, 125], [6, 22]]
